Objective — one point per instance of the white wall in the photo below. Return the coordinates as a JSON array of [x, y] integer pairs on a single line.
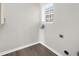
[[41, 31], [66, 23], [21, 26], [0, 12]]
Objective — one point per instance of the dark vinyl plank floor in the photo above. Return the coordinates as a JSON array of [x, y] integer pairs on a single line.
[[35, 50]]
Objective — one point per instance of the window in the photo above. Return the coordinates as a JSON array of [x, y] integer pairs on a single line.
[[48, 12]]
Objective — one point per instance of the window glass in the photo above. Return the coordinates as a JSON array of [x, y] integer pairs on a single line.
[[48, 12]]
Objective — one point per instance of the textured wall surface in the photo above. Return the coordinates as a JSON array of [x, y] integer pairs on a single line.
[[21, 26], [67, 24]]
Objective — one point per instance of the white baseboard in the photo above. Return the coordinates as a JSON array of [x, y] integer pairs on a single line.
[[22, 47], [18, 48], [51, 49]]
